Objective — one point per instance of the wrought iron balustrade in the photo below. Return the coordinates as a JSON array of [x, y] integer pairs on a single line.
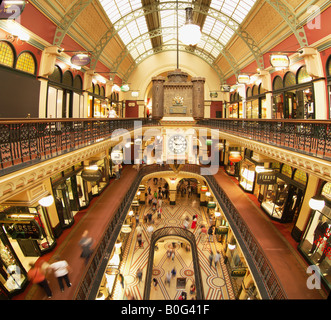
[[310, 137], [24, 142]]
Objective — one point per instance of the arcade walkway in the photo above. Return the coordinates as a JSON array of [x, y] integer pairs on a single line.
[[286, 261]]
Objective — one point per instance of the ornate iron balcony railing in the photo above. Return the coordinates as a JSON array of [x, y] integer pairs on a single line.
[[309, 137]]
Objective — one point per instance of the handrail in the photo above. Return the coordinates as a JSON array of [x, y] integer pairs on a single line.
[[25, 142], [179, 232], [309, 137], [265, 277]]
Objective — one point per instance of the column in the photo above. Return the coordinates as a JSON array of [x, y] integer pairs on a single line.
[[158, 97], [198, 98]]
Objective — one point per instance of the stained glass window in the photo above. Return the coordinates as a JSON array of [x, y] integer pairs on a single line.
[[25, 62], [289, 79], [300, 176], [6, 54], [303, 75], [287, 170]]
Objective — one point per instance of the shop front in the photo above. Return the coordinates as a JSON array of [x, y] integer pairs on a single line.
[[293, 96], [282, 196], [98, 104], [235, 107], [96, 174], [316, 241], [256, 107], [25, 235]]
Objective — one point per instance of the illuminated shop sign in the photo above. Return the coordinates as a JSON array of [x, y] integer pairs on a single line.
[[279, 61]]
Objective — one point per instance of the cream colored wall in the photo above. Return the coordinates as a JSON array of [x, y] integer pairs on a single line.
[[166, 61]]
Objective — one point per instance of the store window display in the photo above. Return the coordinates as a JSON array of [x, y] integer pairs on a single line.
[[282, 200], [316, 242], [12, 274]]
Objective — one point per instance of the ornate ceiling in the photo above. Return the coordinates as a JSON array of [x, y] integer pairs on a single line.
[[123, 33]]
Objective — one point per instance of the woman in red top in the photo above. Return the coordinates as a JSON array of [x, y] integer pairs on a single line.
[[37, 276]]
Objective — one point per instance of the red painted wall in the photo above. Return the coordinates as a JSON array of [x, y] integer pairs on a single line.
[[215, 106], [131, 111]]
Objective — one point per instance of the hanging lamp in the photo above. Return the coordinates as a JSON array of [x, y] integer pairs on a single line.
[[189, 33]]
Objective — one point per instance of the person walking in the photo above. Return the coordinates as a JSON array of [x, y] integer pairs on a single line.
[[61, 271], [86, 245], [139, 239], [139, 275], [121, 278], [37, 276], [168, 278], [117, 171], [217, 258], [155, 283], [211, 258], [210, 233]]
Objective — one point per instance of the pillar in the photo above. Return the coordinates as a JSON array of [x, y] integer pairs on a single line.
[[198, 97], [158, 97]]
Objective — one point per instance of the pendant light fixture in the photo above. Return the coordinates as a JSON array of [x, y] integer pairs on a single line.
[[189, 33]]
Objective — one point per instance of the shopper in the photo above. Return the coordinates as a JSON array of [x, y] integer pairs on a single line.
[[117, 171], [37, 276], [217, 258], [139, 275], [140, 240], [121, 278], [61, 271], [211, 258], [168, 278], [155, 283], [86, 243], [210, 233]]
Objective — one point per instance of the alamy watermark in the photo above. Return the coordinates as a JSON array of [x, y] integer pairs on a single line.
[[173, 146]]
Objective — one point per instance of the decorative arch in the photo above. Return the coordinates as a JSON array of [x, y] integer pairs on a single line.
[[26, 61], [7, 54], [57, 75]]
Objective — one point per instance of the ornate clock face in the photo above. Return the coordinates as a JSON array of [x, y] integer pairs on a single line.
[[177, 144]]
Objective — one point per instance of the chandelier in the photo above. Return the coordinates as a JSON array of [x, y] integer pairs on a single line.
[[189, 33]]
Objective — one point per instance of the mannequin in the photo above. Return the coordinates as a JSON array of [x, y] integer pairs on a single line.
[[319, 232]]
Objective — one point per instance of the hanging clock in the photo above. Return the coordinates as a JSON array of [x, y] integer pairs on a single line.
[[177, 144]]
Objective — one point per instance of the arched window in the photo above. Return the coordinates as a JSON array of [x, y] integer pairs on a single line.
[[255, 90], [300, 176], [26, 62], [248, 92], [287, 170], [289, 79], [7, 54], [328, 67], [303, 76], [78, 83], [102, 91], [97, 89], [277, 83], [56, 76], [68, 78]]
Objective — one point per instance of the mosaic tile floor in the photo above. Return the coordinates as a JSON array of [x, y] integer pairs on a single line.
[[216, 281]]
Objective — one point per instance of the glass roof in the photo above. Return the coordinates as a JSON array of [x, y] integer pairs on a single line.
[[224, 16]]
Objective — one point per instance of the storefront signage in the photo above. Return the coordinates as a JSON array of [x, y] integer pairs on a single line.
[[266, 178], [243, 78], [238, 272], [80, 59], [91, 175], [10, 9], [125, 88], [24, 230], [279, 61]]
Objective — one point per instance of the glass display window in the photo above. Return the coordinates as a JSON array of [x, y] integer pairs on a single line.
[[12, 274], [247, 176], [274, 196], [316, 242]]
